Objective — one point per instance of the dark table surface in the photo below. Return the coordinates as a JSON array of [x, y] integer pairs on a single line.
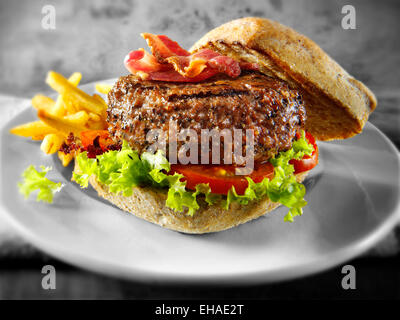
[[376, 278], [93, 37]]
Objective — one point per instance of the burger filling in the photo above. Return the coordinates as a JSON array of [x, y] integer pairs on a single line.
[[172, 87]]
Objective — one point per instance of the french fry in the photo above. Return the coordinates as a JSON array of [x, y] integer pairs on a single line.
[[103, 103], [65, 158], [79, 118], [40, 101], [100, 100], [94, 125], [61, 124], [103, 88], [94, 117], [103, 115], [38, 138], [33, 129], [59, 107], [72, 93], [74, 111], [69, 106], [75, 78], [52, 143]]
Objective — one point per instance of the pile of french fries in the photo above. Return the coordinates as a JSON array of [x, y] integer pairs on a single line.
[[74, 111]]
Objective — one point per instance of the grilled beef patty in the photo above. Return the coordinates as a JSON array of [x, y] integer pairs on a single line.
[[252, 101]]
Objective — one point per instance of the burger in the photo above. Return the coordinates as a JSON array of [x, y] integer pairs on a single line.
[[266, 91]]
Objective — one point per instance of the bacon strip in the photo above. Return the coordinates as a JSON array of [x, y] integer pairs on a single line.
[[249, 66], [226, 65], [141, 60], [170, 62], [163, 47], [193, 65], [188, 66]]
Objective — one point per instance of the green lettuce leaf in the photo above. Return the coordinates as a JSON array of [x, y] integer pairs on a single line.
[[283, 188], [87, 167], [34, 180], [123, 170], [129, 171]]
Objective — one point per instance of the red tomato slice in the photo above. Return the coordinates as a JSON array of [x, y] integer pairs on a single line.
[[88, 137], [221, 178], [308, 162]]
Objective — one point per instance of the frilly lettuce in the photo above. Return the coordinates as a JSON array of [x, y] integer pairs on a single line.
[[123, 170], [34, 180]]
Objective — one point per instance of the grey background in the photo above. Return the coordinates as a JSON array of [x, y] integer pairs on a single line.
[[94, 36]]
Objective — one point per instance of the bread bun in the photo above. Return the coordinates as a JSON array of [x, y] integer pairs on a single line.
[[337, 105], [149, 204]]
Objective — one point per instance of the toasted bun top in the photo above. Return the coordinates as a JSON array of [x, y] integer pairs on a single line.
[[337, 105]]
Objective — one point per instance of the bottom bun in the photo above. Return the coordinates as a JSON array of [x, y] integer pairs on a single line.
[[149, 204]]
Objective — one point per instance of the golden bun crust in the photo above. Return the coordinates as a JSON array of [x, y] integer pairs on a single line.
[[337, 105], [149, 204]]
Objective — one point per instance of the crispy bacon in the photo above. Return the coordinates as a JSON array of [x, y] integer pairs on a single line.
[[249, 66], [141, 60], [191, 66], [226, 65], [163, 47], [170, 62]]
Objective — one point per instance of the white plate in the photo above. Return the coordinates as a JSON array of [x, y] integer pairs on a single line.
[[353, 201]]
